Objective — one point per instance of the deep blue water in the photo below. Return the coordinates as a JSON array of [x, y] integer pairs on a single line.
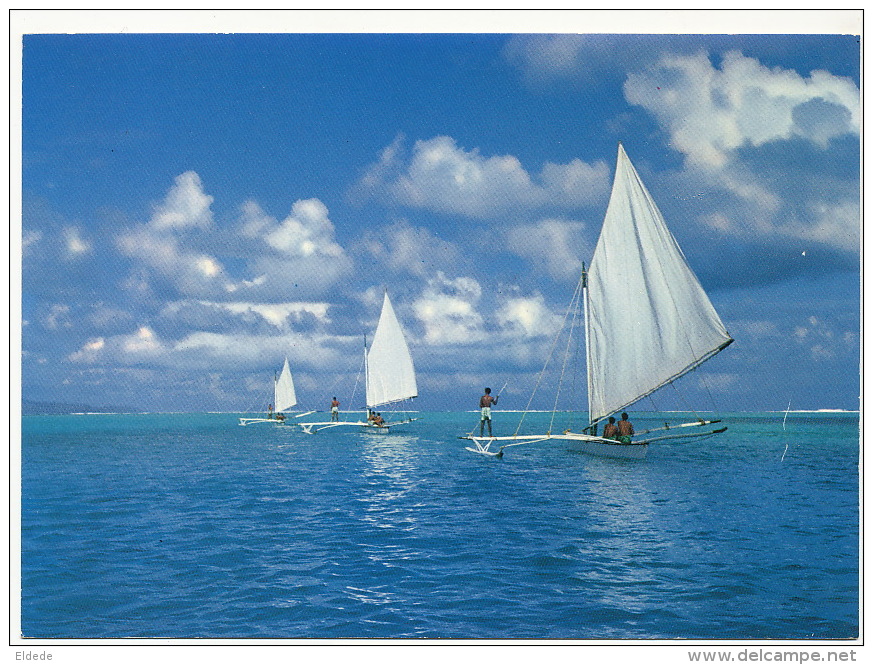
[[191, 526]]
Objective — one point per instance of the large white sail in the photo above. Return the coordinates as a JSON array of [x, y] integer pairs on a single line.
[[649, 320], [390, 372], [285, 397]]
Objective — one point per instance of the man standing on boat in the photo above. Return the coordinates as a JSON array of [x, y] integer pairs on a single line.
[[625, 429], [334, 409], [485, 403]]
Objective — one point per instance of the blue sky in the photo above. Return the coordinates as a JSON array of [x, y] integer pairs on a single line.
[[196, 207]]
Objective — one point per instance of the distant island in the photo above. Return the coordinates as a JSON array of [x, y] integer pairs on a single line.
[[33, 408]]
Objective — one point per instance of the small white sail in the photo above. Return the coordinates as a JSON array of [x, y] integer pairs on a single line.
[[285, 397], [649, 320], [390, 372]]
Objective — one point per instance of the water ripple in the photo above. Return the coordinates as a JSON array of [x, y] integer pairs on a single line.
[[170, 526]]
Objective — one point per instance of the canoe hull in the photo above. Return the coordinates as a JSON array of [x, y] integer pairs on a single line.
[[592, 445], [615, 450]]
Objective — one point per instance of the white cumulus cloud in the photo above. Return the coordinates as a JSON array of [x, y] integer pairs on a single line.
[[143, 340], [553, 245], [712, 112], [167, 243], [142, 344], [529, 316], [57, 317], [192, 272], [448, 310], [29, 239], [88, 352], [305, 232], [413, 249], [271, 259], [822, 342], [200, 350], [300, 252], [749, 131], [441, 176], [276, 314], [75, 244], [186, 205]]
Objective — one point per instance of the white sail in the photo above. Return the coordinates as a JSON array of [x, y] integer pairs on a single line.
[[390, 372], [649, 320], [285, 397]]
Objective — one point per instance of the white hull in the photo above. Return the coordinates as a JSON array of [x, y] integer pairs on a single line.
[[386, 428], [252, 421], [593, 445], [614, 449], [373, 429], [312, 428]]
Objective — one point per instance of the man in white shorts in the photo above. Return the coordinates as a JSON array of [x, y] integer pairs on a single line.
[[485, 403]]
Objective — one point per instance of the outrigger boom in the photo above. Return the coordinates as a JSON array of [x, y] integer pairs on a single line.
[[608, 447], [668, 426], [312, 428]]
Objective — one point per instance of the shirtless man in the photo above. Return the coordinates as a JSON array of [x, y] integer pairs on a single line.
[[610, 430], [625, 429], [485, 403], [334, 409]]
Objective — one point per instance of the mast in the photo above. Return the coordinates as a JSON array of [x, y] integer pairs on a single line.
[[366, 375], [592, 427]]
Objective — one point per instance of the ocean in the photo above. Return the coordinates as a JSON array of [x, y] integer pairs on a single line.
[[190, 526]]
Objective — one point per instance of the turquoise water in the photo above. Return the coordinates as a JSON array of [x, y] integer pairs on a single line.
[[191, 526]]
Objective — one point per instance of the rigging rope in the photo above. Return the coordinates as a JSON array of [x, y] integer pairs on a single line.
[[708, 391], [566, 355], [684, 402], [573, 389], [551, 351], [357, 378]]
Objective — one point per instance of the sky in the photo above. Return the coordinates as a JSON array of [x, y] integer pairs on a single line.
[[198, 204]]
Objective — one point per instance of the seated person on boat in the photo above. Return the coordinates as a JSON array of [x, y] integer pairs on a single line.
[[625, 429], [610, 430]]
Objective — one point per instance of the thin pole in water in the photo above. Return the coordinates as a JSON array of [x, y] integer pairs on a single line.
[[783, 429]]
